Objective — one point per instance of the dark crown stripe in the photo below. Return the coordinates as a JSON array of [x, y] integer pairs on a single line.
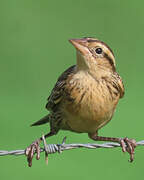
[[94, 40]]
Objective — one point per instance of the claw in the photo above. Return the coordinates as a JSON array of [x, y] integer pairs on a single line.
[[30, 150], [128, 145]]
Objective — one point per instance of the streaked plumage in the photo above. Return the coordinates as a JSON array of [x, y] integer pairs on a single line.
[[85, 96], [77, 102]]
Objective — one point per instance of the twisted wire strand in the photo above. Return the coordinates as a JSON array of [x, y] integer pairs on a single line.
[[53, 148]]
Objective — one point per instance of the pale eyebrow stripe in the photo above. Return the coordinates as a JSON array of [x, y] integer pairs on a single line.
[[110, 61], [94, 40]]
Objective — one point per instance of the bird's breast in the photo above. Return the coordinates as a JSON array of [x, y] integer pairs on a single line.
[[91, 105]]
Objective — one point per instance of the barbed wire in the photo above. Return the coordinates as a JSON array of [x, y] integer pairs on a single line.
[[53, 148]]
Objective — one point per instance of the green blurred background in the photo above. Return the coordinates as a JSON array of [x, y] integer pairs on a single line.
[[34, 50]]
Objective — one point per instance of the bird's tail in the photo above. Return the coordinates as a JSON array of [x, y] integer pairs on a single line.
[[43, 120]]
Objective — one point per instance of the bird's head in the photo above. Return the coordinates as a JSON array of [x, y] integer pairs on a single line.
[[93, 54]]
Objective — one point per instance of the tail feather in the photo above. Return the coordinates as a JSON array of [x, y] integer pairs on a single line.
[[44, 120]]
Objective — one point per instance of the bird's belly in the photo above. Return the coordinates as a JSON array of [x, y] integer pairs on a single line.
[[92, 104], [83, 125], [89, 115]]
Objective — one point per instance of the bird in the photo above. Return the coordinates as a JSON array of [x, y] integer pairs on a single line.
[[85, 96]]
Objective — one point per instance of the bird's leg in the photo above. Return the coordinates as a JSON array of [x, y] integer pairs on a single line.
[[127, 144], [35, 148]]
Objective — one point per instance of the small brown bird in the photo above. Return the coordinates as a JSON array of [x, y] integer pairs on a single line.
[[85, 96]]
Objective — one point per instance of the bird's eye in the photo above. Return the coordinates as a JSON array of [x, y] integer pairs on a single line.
[[98, 50]]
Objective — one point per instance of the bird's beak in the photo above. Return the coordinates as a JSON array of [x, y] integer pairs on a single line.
[[80, 45]]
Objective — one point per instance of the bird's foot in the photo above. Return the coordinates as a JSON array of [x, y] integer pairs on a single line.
[[31, 150], [128, 145]]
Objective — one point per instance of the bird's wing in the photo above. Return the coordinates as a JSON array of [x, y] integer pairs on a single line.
[[120, 85], [59, 89]]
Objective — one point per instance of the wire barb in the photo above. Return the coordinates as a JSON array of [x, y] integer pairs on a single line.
[[53, 148]]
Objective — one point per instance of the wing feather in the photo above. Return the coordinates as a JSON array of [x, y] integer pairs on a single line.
[[59, 89]]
